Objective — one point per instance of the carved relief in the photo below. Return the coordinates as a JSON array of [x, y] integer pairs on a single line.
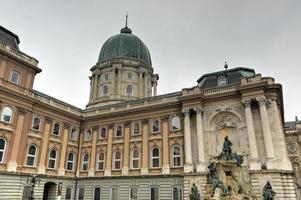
[[225, 121], [292, 147]]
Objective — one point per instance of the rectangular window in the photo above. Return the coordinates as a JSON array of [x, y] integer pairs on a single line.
[[114, 193], [81, 194], [68, 193], [15, 77], [97, 193], [154, 193], [134, 193], [177, 193]]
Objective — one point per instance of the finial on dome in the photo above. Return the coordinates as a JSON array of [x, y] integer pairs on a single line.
[[226, 65], [126, 29]]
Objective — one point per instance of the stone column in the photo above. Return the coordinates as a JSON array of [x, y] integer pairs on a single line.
[[79, 156], [91, 87], [3, 66], [113, 82], [140, 84], [44, 147], [93, 152], [155, 88], [12, 163], [188, 167], [95, 86], [145, 147], [254, 164], [109, 150], [266, 132], [166, 160], [119, 81], [62, 163], [201, 144], [145, 85], [285, 163], [126, 149]]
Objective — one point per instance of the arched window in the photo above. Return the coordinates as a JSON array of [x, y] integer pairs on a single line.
[[31, 155], [73, 134], [133, 193], [103, 133], [96, 193], [136, 129], [15, 77], [56, 129], [117, 160], [85, 162], [81, 193], [135, 159], [177, 193], [88, 135], [105, 90], [155, 157], [70, 161], [129, 90], [155, 126], [101, 161], [52, 159], [119, 131], [2, 149], [36, 124], [154, 193], [175, 124], [114, 193], [7, 114], [176, 155]]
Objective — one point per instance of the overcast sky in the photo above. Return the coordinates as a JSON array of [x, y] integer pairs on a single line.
[[186, 39]]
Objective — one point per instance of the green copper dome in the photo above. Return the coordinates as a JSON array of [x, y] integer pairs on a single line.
[[125, 45]]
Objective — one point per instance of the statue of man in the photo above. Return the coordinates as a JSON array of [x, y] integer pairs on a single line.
[[227, 148], [195, 195], [212, 169], [268, 192]]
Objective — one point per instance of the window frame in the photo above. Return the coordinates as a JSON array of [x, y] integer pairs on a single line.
[[152, 126], [135, 159], [150, 192], [117, 160], [116, 130], [52, 159], [130, 189], [129, 75], [94, 188], [68, 161], [40, 124], [171, 124], [100, 132], [59, 130], [126, 90], [177, 156], [79, 192], [35, 156], [11, 76], [155, 157], [2, 114], [111, 192], [133, 128], [85, 162], [68, 187], [3, 150], [101, 161], [103, 91], [76, 133], [178, 187], [85, 135]]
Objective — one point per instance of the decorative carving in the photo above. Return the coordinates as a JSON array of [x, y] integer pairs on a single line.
[[48, 119], [111, 126], [165, 118], [292, 147], [198, 109], [127, 123], [145, 121], [226, 121], [186, 111], [246, 102], [22, 110], [261, 101], [66, 125]]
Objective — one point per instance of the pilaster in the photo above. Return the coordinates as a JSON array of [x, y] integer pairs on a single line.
[[165, 166], [145, 147], [64, 149], [126, 150], [109, 150], [93, 152]]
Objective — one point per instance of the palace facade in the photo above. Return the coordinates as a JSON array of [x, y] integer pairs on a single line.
[[129, 142]]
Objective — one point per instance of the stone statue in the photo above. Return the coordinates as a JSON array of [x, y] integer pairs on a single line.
[[212, 169], [268, 192], [195, 195], [227, 151], [239, 159]]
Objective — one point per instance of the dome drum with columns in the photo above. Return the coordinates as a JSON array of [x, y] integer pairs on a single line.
[[123, 71]]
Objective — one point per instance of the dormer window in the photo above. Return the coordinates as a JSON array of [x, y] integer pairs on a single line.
[[15, 77], [221, 80]]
